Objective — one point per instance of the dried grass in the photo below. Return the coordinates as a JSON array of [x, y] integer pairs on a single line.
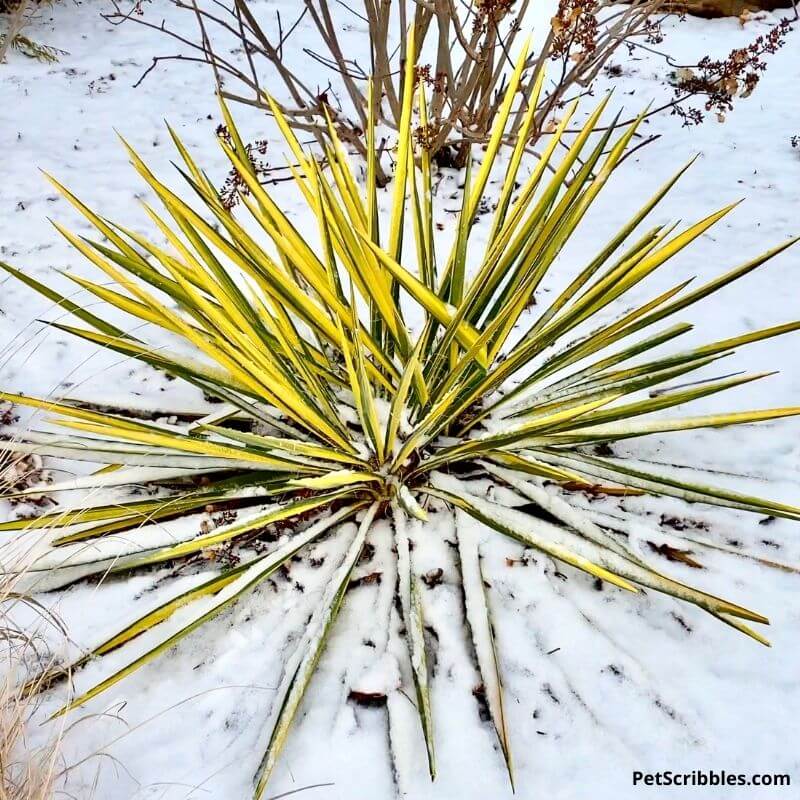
[[28, 771], [18, 15]]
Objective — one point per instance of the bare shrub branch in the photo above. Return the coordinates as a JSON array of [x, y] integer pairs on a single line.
[[466, 78]]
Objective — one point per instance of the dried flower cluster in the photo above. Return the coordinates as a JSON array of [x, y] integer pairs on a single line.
[[425, 136], [653, 31], [489, 13], [234, 185], [7, 416], [424, 74], [575, 27], [721, 80]]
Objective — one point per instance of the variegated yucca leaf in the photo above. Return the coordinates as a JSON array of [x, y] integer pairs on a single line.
[[333, 410]]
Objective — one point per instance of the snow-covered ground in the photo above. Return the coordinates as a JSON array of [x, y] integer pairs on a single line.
[[598, 685]]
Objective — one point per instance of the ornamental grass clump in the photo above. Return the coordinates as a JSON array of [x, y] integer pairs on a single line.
[[333, 411]]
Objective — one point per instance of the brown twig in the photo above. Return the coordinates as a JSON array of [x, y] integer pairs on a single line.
[[467, 79]]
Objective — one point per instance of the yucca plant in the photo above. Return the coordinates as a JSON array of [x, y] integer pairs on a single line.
[[334, 411]]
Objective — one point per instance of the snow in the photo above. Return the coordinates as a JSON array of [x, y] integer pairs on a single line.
[[596, 683]]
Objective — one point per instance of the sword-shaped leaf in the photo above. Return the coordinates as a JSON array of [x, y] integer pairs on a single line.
[[300, 668], [476, 604], [225, 590]]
